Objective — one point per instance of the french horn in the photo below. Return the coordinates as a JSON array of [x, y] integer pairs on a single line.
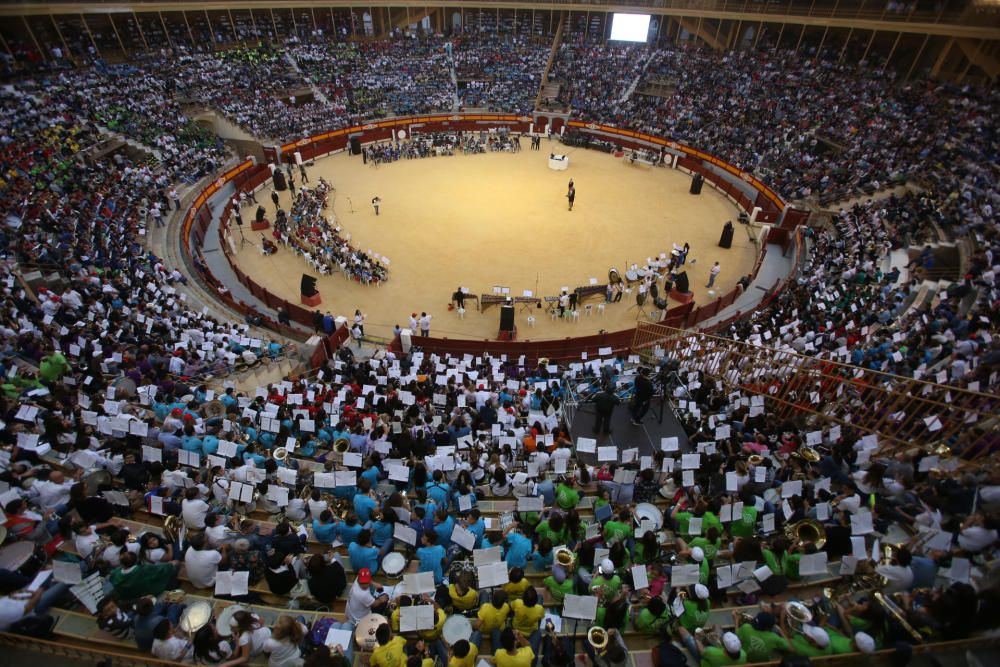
[[755, 459], [597, 637], [806, 530]]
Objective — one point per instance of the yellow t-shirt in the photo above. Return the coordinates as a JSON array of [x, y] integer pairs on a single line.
[[492, 618], [527, 619], [438, 626], [467, 661], [516, 591], [463, 602], [394, 620], [523, 657], [390, 655]]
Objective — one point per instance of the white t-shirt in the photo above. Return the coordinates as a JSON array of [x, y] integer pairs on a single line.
[[51, 495], [172, 648], [113, 554], [202, 566], [11, 610], [976, 538], [359, 602], [216, 535], [85, 543], [898, 578], [155, 555], [256, 638], [193, 512], [283, 653]]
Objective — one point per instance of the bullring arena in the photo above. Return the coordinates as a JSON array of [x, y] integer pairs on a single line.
[[500, 334]]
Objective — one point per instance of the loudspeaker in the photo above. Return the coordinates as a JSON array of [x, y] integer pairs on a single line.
[[696, 184], [355, 145], [640, 299], [260, 213], [506, 318], [308, 287], [280, 184], [726, 240], [681, 282]]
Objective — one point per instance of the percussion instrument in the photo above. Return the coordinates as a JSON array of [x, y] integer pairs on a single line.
[[649, 512], [213, 409], [226, 616], [590, 290], [394, 564], [597, 637], [196, 616], [364, 633], [93, 482], [487, 300], [15, 556], [456, 627]]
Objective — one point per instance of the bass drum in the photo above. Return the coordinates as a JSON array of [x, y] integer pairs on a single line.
[[456, 628], [364, 634], [649, 512], [393, 565]]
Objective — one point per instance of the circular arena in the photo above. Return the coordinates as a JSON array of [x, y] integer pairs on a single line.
[[529, 333]]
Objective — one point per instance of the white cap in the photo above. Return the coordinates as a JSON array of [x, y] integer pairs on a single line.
[[817, 635], [864, 642], [697, 554], [701, 591], [607, 567], [731, 642]]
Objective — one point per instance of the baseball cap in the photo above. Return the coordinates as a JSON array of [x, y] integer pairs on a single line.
[[607, 567], [701, 591], [817, 635], [364, 576], [731, 642], [697, 554], [865, 642]]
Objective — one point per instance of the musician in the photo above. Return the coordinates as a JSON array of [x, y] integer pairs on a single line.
[[464, 596], [528, 613], [491, 618], [516, 650], [362, 553], [432, 556], [761, 638], [390, 651], [462, 654], [361, 601]]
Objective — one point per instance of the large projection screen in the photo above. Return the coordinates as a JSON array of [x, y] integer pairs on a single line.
[[630, 27]]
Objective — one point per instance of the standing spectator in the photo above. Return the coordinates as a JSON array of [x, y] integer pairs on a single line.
[[641, 396], [713, 273], [425, 324]]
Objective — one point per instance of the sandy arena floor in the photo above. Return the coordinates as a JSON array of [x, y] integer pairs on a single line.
[[501, 219]]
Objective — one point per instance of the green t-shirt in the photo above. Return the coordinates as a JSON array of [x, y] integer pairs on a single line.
[[839, 643], [713, 656], [771, 560], [616, 531], [710, 520], [543, 530], [711, 549], [556, 590], [611, 586], [566, 497], [682, 519], [760, 646], [650, 624], [790, 564], [639, 554], [693, 617], [803, 646], [747, 523]]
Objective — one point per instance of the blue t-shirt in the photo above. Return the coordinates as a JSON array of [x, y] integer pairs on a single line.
[[540, 562], [209, 445], [363, 506], [430, 560], [478, 529], [518, 548], [372, 475], [381, 532], [191, 443], [348, 534], [443, 531], [362, 557], [324, 532], [439, 493]]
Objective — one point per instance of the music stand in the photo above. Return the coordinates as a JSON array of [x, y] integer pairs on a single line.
[[579, 608]]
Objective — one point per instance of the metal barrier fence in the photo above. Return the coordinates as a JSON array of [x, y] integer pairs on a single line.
[[902, 412]]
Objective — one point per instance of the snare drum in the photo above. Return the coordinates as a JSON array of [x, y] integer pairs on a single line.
[[393, 565], [364, 633], [649, 512], [195, 617], [455, 628]]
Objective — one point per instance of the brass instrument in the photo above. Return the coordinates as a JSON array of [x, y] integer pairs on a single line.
[[798, 612], [898, 614], [172, 528], [306, 492], [339, 506], [342, 445], [597, 637], [806, 530], [807, 454], [213, 409], [755, 459], [565, 558], [280, 454]]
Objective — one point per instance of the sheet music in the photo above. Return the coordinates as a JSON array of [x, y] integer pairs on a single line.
[[580, 607], [419, 582], [417, 617], [494, 574]]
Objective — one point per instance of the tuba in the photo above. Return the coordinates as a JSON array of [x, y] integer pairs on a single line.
[[342, 445], [597, 637], [280, 454], [172, 528], [806, 530], [807, 454], [565, 558]]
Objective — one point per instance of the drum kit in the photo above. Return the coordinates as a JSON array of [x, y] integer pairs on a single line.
[[456, 627], [393, 565], [364, 633]]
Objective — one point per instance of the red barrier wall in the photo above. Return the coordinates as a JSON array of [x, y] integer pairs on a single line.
[[247, 176]]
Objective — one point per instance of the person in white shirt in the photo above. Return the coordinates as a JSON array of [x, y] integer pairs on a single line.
[[53, 492], [425, 324], [217, 530], [283, 644], [86, 538], [193, 509], [203, 564], [898, 574], [169, 643], [360, 599], [974, 536], [249, 635]]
